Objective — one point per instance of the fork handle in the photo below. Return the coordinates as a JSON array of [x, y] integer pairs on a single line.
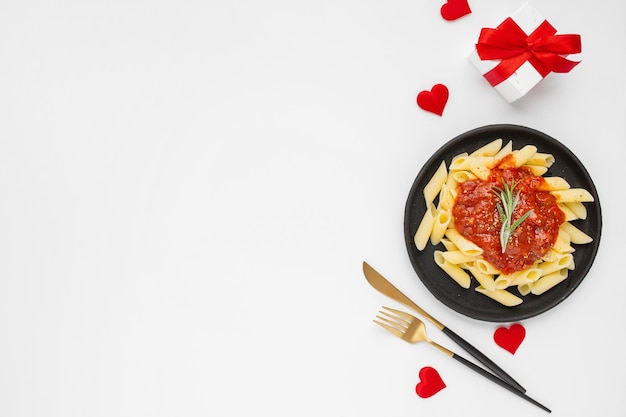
[[498, 381], [482, 358]]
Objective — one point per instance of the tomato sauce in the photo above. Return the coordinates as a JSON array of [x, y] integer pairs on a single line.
[[476, 218]]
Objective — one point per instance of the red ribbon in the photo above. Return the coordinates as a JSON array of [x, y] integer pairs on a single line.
[[542, 49]]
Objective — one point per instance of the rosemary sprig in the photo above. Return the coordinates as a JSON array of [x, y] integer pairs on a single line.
[[506, 206]]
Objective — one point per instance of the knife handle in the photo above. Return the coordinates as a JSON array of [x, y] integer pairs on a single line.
[[482, 359], [498, 381]]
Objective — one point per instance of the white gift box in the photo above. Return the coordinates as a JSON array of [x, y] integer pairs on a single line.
[[525, 77]]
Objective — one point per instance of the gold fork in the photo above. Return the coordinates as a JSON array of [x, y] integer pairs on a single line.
[[412, 330]]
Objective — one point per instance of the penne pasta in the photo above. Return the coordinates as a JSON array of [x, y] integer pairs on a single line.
[[446, 197], [578, 209], [433, 187], [549, 281], [572, 265], [440, 225], [573, 195], [486, 268], [537, 170], [541, 159], [503, 281], [526, 276], [550, 256], [555, 183], [451, 183], [454, 271], [521, 156], [457, 257], [502, 296], [564, 261], [569, 214], [562, 243], [480, 169], [485, 280], [425, 228], [524, 289], [506, 149], [461, 162], [490, 149], [576, 235], [462, 176], [447, 243], [466, 246]]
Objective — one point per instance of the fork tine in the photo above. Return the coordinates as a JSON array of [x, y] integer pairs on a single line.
[[401, 321], [390, 328], [405, 316], [398, 324]]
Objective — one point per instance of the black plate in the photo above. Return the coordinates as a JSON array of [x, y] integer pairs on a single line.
[[470, 302]]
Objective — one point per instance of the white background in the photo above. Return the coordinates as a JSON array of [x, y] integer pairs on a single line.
[[188, 190]]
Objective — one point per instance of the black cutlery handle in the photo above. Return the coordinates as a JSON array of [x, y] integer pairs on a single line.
[[482, 358], [498, 381]]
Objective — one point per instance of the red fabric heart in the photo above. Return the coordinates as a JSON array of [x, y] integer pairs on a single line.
[[430, 382], [455, 9], [510, 339], [434, 100]]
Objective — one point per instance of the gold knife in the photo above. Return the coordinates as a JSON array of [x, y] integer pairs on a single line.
[[387, 288]]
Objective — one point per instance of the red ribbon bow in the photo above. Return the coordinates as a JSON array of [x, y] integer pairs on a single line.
[[542, 49]]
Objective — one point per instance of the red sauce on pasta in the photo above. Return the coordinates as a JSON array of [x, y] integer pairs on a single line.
[[476, 218]]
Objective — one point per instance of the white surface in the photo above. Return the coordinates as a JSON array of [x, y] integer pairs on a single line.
[[189, 189]]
